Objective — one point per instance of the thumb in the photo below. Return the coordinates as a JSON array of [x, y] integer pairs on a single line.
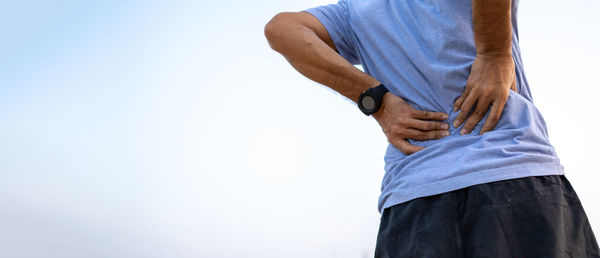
[[406, 147]]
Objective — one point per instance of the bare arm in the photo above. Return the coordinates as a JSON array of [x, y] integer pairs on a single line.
[[305, 43], [492, 26], [493, 71]]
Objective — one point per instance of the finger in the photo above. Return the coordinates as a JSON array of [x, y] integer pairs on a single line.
[[482, 106], [493, 117], [421, 135], [426, 125], [429, 115], [465, 109], [406, 147], [458, 103]]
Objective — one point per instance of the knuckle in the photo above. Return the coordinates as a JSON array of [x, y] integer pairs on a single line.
[[420, 113], [474, 121], [398, 130], [487, 92], [413, 112], [393, 128], [485, 97], [402, 120], [468, 125], [425, 126], [434, 135]]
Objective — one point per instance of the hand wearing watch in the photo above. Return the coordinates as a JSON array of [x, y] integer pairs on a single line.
[[370, 100]]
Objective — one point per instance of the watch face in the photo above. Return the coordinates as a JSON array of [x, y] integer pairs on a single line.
[[368, 102]]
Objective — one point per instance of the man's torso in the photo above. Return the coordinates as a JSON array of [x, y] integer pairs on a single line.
[[422, 51]]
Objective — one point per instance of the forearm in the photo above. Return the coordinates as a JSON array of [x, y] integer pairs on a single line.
[[315, 59], [492, 27]]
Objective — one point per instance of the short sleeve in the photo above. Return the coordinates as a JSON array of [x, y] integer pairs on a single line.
[[336, 21]]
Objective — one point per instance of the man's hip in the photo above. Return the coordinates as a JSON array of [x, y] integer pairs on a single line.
[[539, 216]]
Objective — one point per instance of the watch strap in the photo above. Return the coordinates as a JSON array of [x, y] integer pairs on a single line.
[[379, 91]]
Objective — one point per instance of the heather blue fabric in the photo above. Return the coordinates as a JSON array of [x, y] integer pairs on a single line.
[[422, 51]]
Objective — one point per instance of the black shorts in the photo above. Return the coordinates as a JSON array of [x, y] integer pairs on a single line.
[[537, 216]]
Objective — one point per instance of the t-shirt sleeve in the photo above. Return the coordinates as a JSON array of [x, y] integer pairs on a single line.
[[335, 19]]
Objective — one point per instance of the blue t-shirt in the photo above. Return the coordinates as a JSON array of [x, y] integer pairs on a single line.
[[422, 51]]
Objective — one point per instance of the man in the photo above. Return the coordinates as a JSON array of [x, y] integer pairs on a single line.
[[432, 69]]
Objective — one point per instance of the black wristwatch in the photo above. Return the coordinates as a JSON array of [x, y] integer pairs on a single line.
[[370, 100]]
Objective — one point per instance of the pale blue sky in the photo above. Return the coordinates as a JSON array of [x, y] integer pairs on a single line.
[[171, 129]]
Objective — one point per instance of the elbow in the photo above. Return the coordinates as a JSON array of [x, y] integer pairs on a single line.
[[276, 30]]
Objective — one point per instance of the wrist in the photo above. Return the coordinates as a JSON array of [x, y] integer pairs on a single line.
[[494, 54], [370, 101], [495, 60], [377, 115]]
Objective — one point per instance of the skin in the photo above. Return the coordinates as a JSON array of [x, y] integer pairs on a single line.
[[307, 46], [493, 71]]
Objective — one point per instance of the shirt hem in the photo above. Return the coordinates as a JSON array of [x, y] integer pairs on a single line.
[[460, 182]]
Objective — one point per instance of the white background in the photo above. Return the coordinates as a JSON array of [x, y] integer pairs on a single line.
[[149, 129]]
